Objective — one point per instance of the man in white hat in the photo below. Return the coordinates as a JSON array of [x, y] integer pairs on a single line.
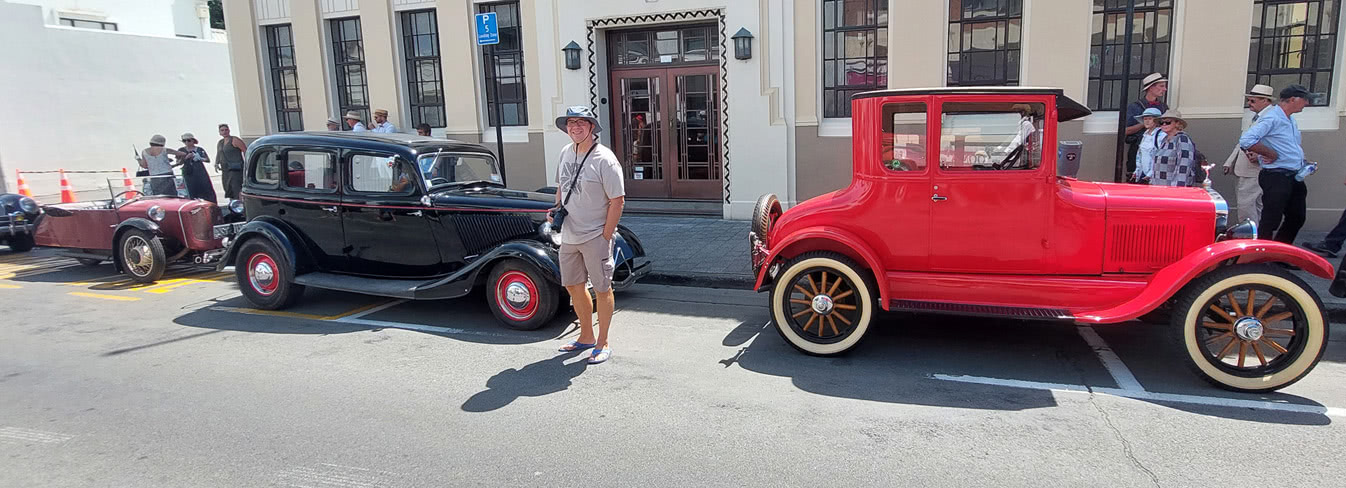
[[381, 123], [1152, 88], [332, 124], [353, 121], [1277, 141], [1258, 99]]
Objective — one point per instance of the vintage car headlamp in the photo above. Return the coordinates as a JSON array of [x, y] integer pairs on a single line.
[[28, 205], [1244, 230], [235, 206], [549, 234], [156, 213]]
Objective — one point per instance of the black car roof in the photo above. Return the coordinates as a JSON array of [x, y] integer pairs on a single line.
[[1066, 108], [371, 141]]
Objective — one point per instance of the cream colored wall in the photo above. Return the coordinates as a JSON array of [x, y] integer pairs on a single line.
[[457, 57], [916, 33], [310, 63], [1056, 45], [382, 61], [806, 61], [245, 60], [1210, 59]]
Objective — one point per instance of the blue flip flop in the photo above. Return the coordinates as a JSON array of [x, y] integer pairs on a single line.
[[600, 355], [575, 346]]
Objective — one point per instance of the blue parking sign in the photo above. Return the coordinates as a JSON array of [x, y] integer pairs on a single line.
[[488, 32]]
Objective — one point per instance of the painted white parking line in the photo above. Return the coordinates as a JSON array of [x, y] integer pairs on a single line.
[[384, 324], [17, 434], [325, 474], [1148, 395], [377, 309], [1120, 373]]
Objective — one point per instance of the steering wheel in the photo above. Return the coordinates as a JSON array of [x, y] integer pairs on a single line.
[[118, 197], [1012, 159], [437, 181]]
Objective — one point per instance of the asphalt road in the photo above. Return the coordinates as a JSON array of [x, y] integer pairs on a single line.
[[180, 384]]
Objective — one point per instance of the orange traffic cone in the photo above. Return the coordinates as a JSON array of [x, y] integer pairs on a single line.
[[67, 193], [23, 185], [129, 186]]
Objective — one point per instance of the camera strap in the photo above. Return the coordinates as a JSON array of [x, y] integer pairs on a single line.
[[578, 167]]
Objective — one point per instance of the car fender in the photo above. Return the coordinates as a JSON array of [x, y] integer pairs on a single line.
[[1169, 280], [461, 282], [840, 237], [138, 223], [274, 231]]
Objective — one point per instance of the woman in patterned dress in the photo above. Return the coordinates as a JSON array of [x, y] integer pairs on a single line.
[[1175, 163]]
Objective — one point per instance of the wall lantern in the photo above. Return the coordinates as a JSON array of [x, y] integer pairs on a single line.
[[742, 44], [572, 52]]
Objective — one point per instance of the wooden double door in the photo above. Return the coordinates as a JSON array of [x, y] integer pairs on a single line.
[[668, 133]]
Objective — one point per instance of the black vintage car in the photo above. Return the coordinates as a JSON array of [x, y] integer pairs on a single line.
[[17, 214], [399, 216]]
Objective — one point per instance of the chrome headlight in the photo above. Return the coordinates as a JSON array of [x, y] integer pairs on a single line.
[[1221, 211], [236, 206], [156, 213], [549, 234], [28, 205], [1244, 230]]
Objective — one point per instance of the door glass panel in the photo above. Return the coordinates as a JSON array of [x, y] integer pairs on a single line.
[[902, 137], [991, 136], [380, 174], [641, 129], [697, 127], [310, 171]]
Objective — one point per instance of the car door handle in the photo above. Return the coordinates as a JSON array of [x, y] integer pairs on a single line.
[[329, 209], [937, 198], [414, 213]]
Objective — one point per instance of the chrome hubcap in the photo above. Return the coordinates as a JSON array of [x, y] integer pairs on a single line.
[[517, 294], [263, 273], [822, 304], [1249, 329]]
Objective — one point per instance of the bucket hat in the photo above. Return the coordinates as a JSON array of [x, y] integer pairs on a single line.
[[1173, 115], [1151, 112], [579, 112], [157, 140], [188, 135]]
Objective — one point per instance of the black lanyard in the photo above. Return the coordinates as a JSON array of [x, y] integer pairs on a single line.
[[579, 167]]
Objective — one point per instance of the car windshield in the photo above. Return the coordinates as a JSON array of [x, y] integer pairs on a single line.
[[454, 168]]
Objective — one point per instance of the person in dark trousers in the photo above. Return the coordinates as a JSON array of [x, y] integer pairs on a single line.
[[229, 161], [1275, 139], [1331, 245], [194, 173], [1152, 88]]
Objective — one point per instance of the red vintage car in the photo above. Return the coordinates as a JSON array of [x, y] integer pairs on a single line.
[[989, 228], [141, 233]]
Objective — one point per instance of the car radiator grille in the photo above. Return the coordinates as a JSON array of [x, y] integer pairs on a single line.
[[482, 232], [1144, 247]]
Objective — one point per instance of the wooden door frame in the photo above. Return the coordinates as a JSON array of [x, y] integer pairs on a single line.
[[687, 189], [642, 188], [670, 186]]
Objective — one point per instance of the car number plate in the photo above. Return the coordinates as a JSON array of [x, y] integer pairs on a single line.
[[227, 230]]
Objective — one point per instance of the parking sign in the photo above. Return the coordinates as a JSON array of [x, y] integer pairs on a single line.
[[487, 30]]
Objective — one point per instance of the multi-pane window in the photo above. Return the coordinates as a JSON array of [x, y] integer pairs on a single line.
[[348, 59], [503, 65], [425, 83], [855, 51], [695, 44], [89, 24], [1294, 42], [1151, 34], [984, 42], [284, 78]]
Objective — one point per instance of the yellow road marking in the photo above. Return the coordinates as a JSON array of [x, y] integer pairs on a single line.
[[168, 288], [105, 297], [10, 287], [297, 315]]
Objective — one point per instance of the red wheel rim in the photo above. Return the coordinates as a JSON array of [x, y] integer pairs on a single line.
[[516, 295], [262, 273]]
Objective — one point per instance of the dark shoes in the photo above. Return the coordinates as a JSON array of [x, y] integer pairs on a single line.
[[1320, 248]]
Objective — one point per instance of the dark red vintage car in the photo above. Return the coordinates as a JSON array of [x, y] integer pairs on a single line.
[[141, 233], [986, 226]]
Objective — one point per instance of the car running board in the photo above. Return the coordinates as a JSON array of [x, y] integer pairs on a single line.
[[365, 286], [965, 309]]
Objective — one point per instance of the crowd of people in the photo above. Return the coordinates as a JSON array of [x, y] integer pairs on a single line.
[[156, 166], [1268, 160]]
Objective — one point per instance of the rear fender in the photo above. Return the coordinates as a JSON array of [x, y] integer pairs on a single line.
[[278, 233], [461, 282], [1169, 280], [822, 238]]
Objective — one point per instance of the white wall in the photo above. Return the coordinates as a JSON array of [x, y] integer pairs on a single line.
[[79, 99], [164, 18]]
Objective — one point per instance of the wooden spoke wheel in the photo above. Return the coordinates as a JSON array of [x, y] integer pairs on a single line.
[[822, 304], [1252, 327]]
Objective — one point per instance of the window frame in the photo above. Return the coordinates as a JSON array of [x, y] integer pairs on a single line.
[[1013, 11], [73, 22], [841, 109], [336, 27], [1094, 87], [348, 174], [410, 60], [885, 122], [277, 72], [1041, 132], [333, 159], [490, 73], [1258, 36], [258, 156]]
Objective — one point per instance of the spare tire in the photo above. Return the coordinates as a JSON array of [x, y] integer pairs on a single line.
[[764, 214]]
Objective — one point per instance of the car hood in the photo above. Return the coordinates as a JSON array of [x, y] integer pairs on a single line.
[[492, 197], [1125, 196]]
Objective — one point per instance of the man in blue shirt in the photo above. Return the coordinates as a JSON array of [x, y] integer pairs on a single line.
[[1275, 139]]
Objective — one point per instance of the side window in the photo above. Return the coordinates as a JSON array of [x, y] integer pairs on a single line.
[[902, 137], [381, 174], [266, 167], [990, 136], [310, 170]]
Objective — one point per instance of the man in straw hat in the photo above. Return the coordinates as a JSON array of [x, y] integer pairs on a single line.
[[381, 123], [1275, 138], [591, 190], [1258, 99], [1152, 89], [333, 124], [353, 121]]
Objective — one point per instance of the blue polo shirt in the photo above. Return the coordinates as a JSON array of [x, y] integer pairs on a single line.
[[1279, 132]]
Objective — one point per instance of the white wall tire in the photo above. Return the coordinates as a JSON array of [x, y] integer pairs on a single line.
[[1261, 347], [845, 326]]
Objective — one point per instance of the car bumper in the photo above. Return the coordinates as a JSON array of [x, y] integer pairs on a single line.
[[633, 270], [12, 228]]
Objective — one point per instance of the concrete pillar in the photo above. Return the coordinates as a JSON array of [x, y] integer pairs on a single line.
[[807, 28], [458, 54], [1056, 46], [378, 27], [245, 58], [310, 63], [1210, 58], [913, 61]]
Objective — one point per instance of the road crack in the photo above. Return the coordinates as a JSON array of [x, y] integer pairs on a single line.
[[1074, 363]]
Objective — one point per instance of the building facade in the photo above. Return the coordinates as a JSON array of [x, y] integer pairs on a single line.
[[163, 18], [703, 127]]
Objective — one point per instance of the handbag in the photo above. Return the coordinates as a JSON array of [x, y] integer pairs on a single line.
[[558, 214]]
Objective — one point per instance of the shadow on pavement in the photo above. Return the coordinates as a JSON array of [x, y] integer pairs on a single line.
[[534, 380]]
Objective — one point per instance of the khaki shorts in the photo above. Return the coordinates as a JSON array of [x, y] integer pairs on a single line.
[[591, 260]]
